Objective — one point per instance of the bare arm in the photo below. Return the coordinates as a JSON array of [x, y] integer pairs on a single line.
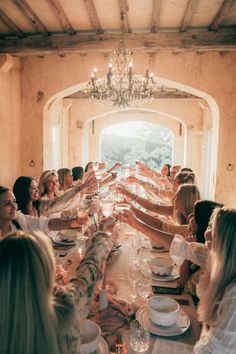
[[57, 204], [159, 209], [147, 219], [156, 235]]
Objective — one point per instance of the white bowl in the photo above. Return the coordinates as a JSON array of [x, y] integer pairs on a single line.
[[163, 310], [90, 334], [161, 265]]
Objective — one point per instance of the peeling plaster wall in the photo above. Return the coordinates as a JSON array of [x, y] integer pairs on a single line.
[[211, 72]]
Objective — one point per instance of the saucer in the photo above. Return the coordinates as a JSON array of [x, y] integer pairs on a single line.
[[169, 277], [182, 324], [57, 240], [158, 250], [103, 347]]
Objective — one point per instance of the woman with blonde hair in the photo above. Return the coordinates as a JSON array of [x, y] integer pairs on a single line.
[[65, 179], [168, 195], [217, 288], [48, 185], [184, 200], [36, 318]]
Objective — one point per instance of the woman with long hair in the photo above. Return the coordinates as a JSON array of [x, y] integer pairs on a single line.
[[185, 198], [48, 185], [11, 219], [26, 192], [36, 318], [167, 210], [217, 288], [65, 179]]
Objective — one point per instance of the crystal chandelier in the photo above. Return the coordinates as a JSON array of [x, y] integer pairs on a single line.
[[121, 88]]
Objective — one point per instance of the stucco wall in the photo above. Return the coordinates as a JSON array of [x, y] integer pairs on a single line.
[[10, 118], [211, 72]]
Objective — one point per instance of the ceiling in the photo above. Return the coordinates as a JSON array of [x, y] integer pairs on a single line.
[[29, 27]]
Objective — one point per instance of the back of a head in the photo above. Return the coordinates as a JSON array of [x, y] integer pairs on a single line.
[[21, 192], [77, 173], [26, 282], [186, 169], [185, 177], [189, 194], [203, 210]]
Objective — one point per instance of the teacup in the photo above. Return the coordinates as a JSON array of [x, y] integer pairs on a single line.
[[90, 334], [163, 310], [161, 265]]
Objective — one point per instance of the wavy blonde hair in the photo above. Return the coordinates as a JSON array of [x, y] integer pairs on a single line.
[[28, 321], [43, 180], [222, 271], [189, 194]]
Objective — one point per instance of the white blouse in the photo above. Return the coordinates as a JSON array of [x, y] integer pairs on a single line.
[[31, 223], [195, 252]]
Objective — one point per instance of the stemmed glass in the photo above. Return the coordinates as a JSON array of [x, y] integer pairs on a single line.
[[134, 273]]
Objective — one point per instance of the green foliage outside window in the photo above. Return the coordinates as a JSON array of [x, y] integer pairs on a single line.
[[152, 144]]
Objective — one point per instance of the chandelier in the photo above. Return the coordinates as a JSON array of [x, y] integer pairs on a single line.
[[121, 87]]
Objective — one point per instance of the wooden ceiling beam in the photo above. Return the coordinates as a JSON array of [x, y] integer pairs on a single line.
[[224, 9], [124, 8], [10, 24], [188, 15], [28, 12], [156, 9], [61, 16], [176, 41], [94, 19]]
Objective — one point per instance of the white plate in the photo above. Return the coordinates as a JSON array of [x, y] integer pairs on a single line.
[[181, 325], [170, 277], [103, 347], [56, 239]]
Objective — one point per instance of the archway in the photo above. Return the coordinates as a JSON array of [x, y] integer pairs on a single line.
[[211, 137]]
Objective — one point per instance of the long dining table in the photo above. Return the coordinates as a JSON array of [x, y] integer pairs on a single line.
[[132, 244]]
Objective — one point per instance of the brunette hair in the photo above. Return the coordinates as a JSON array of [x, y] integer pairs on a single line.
[[77, 173], [21, 191], [87, 166], [202, 212]]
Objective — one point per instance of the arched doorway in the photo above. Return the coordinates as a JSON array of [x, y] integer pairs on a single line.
[[208, 136]]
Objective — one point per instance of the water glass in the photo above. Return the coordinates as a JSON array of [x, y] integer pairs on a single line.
[[143, 286], [107, 207], [81, 244], [139, 337]]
